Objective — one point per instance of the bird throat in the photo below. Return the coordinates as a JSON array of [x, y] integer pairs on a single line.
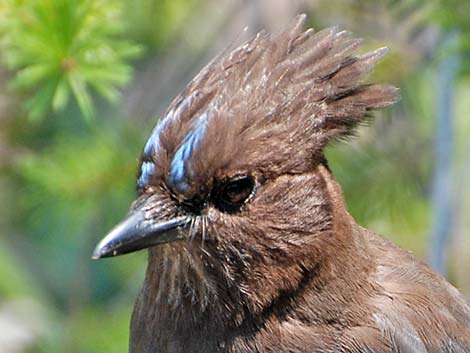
[[179, 302], [177, 278]]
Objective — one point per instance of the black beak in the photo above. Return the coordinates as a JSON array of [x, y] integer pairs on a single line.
[[137, 232]]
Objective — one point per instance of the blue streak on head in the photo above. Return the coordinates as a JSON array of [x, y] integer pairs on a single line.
[[180, 172], [146, 171], [154, 140], [153, 143]]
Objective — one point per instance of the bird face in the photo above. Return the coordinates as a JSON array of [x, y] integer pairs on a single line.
[[235, 168], [223, 202]]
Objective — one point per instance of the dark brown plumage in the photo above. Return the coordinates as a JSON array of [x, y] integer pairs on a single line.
[[251, 246]]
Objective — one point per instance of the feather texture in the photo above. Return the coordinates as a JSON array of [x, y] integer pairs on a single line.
[[288, 270]]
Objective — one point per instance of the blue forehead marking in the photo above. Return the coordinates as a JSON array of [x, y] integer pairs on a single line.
[[154, 140], [153, 143], [148, 167], [146, 171], [184, 152], [180, 170]]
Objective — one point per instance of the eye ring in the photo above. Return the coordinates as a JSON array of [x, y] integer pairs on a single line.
[[232, 194]]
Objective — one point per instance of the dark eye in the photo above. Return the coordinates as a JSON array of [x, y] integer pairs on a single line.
[[232, 194]]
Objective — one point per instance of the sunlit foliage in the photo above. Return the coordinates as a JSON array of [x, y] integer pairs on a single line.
[[65, 48]]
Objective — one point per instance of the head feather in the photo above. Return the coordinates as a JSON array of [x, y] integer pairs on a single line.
[[270, 105]]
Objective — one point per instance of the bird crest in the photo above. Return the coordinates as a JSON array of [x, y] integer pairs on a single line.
[[259, 103]]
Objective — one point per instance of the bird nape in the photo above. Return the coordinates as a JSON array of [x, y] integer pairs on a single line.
[[251, 248]]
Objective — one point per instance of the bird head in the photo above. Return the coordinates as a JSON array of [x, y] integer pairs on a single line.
[[234, 176]]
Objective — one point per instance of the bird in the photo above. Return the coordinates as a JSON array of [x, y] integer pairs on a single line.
[[250, 244]]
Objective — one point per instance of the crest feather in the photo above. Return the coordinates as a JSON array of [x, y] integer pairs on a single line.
[[299, 88]]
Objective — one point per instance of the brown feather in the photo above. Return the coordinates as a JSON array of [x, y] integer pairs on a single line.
[[290, 271]]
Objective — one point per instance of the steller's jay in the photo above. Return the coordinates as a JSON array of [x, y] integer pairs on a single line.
[[251, 248]]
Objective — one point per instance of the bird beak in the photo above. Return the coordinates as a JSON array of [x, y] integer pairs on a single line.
[[137, 232]]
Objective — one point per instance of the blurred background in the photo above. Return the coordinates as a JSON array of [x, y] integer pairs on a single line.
[[83, 82]]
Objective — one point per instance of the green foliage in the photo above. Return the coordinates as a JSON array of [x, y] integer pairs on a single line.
[[454, 16], [154, 22], [110, 335], [63, 48], [381, 196], [16, 281], [76, 167], [71, 193]]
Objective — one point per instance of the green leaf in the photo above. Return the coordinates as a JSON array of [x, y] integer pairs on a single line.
[[107, 91], [82, 96], [38, 105], [61, 96], [30, 76]]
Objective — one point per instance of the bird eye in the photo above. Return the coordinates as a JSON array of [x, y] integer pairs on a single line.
[[232, 194]]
